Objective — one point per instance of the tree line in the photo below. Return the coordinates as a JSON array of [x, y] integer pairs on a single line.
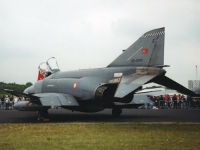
[[12, 86]]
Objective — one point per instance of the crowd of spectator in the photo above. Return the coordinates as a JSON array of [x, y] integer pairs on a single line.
[[176, 101], [7, 102]]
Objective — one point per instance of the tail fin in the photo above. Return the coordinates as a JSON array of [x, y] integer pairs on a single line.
[[148, 50]]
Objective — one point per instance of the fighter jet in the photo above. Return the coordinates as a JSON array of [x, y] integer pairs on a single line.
[[92, 90]]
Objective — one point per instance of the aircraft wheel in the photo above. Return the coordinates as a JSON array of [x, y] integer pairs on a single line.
[[43, 115], [116, 112]]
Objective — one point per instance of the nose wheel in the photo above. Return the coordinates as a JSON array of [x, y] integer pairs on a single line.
[[116, 112]]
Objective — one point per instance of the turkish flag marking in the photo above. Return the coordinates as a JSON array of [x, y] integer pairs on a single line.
[[145, 51]]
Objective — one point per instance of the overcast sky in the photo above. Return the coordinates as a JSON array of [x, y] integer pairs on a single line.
[[92, 33]]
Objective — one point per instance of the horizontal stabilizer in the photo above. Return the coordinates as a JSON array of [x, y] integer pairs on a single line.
[[167, 82]]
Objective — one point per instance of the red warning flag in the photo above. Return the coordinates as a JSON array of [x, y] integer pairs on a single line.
[[145, 51]]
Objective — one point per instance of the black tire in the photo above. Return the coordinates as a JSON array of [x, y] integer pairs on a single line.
[[116, 112], [43, 115]]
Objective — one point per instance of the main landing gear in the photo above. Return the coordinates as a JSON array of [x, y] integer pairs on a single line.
[[43, 115], [116, 112]]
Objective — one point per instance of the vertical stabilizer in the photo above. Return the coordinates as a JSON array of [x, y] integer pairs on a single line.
[[148, 50]]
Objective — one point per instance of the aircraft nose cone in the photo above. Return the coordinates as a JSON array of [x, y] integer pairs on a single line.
[[29, 90]]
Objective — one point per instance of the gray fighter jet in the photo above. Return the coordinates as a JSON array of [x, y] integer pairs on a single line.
[[92, 90]]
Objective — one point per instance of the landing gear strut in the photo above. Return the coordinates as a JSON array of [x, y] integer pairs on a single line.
[[116, 112], [43, 115]]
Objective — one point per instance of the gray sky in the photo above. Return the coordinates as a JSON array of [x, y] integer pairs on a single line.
[[92, 33]]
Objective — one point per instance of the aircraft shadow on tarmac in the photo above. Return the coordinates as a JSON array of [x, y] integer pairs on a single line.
[[132, 115], [13, 116]]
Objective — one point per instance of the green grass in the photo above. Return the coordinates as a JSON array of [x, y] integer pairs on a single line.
[[99, 136]]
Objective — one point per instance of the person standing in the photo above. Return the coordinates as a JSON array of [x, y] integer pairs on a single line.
[[171, 102], [162, 101], [7, 102], [3, 102], [168, 101], [174, 98], [15, 99], [156, 101], [179, 101]]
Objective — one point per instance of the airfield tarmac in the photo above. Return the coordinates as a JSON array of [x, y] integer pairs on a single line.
[[128, 115]]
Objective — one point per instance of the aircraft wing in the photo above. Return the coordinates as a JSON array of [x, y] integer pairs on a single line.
[[132, 83], [36, 101], [56, 99]]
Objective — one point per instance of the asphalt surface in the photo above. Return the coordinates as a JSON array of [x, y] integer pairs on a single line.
[[128, 115]]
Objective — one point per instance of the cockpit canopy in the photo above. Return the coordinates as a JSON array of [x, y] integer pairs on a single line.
[[47, 68]]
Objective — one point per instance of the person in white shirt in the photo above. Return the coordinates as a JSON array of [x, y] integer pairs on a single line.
[[15, 99], [7, 101]]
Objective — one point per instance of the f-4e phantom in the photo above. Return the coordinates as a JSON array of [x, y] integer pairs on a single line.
[[92, 90]]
